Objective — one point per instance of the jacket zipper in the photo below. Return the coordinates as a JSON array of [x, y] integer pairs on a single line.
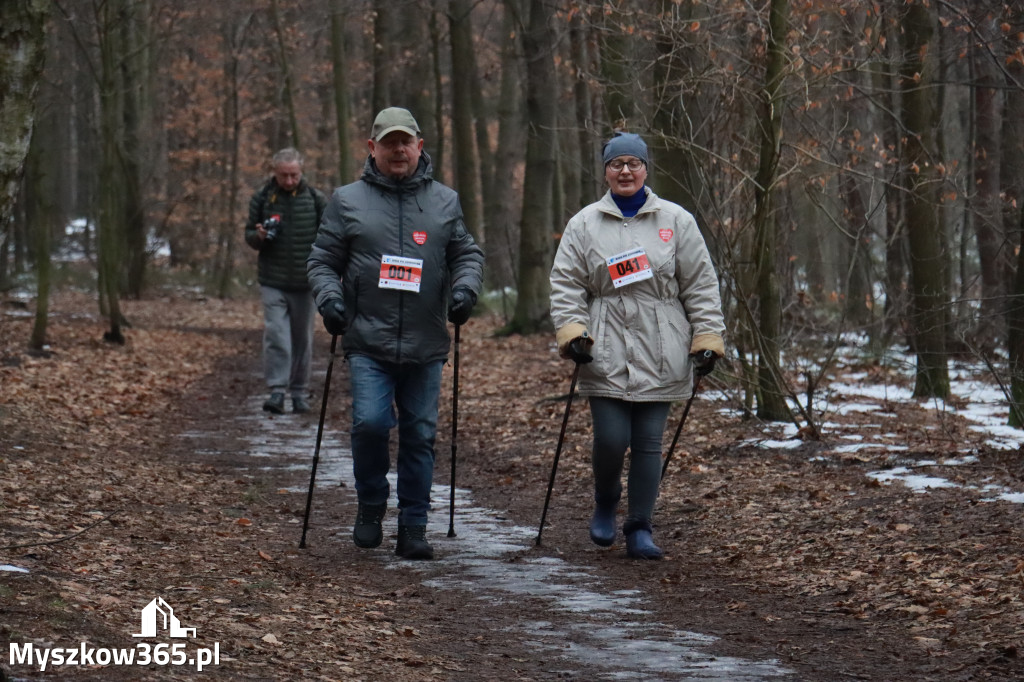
[[401, 294]]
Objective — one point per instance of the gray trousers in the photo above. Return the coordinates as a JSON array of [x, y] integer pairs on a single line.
[[287, 339], [618, 425]]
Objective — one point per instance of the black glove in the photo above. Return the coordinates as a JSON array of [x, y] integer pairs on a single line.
[[579, 351], [461, 305], [704, 362], [333, 313]]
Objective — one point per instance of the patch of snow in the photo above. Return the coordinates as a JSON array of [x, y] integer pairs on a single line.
[[855, 447], [916, 482], [847, 408]]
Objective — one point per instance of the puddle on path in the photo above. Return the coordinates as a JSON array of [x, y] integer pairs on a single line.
[[591, 626]]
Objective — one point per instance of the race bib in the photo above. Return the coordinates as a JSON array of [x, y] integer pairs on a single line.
[[629, 267], [401, 273]]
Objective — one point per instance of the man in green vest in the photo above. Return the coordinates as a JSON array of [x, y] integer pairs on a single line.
[[283, 219]]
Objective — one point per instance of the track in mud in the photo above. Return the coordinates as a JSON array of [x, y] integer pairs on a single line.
[[556, 611]]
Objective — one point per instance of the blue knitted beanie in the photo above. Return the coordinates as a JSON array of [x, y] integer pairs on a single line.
[[625, 144]]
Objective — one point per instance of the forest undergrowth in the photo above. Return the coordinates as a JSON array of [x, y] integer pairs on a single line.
[[791, 547]]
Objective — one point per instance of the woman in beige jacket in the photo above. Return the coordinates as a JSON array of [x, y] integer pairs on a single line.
[[634, 296]]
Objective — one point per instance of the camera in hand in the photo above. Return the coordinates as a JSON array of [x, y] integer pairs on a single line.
[[272, 225]]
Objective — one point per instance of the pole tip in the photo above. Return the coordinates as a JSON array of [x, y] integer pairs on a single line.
[[536, 542], [451, 532]]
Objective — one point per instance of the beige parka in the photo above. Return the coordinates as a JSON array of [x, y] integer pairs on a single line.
[[643, 332]]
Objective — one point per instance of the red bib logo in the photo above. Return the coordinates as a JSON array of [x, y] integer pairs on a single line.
[[419, 237], [665, 234]]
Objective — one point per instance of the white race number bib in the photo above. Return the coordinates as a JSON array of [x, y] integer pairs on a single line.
[[401, 273]]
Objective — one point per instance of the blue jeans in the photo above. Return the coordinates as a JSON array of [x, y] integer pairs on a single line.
[[618, 425], [378, 388]]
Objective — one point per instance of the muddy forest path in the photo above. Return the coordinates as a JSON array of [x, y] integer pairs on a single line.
[[777, 566]]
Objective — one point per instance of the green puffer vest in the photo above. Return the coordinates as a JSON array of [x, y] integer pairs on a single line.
[[282, 262]]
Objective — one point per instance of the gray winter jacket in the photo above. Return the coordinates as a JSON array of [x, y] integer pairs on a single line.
[[377, 217]]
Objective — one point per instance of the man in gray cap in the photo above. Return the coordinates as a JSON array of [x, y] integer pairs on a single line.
[[391, 261]]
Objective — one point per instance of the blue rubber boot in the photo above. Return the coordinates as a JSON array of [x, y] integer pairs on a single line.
[[602, 523], [639, 544]]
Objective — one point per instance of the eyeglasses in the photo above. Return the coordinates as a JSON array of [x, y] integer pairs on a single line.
[[633, 165]]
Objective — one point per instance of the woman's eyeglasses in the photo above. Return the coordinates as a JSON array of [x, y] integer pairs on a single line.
[[633, 165]]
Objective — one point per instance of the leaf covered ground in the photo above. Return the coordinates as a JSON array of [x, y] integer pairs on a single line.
[[789, 553]]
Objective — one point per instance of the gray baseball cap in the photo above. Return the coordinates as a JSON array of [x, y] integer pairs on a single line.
[[391, 119]]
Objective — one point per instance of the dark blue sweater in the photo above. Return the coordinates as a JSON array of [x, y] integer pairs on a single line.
[[630, 205]]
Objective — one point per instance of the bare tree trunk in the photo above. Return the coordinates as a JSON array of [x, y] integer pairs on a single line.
[[883, 119], [41, 232], [40, 204], [616, 57], [381, 97], [285, 65], [234, 40], [587, 139], [438, 156], [676, 177], [134, 72], [111, 230], [771, 403], [858, 283], [467, 168], [986, 202], [1012, 179], [1015, 323], [22, 55], [342, 105], [927, 247], [417, 70], [535, 247], [503, 228]]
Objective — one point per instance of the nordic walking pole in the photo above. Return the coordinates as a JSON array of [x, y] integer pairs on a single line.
[[319, 437], [558, 450], [682, 420], [455, 432]]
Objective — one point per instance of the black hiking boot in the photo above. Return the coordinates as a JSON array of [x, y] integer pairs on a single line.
[[367, 532], [412, 543], [299, 404], [275, 403]]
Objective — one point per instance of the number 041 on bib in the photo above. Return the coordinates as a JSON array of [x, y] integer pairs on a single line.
[[629, 267]]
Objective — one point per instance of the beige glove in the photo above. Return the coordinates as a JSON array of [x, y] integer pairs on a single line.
[[569, 333], [711, 342]]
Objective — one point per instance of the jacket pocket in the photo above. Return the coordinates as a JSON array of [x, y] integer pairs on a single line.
[[675, 334], [597, 326]]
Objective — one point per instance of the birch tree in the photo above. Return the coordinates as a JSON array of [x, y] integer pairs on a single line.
[[22, 57]]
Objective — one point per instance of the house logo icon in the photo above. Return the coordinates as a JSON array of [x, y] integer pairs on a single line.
[[159, 612]]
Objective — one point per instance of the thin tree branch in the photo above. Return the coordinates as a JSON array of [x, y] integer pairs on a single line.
[[65, 538]]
